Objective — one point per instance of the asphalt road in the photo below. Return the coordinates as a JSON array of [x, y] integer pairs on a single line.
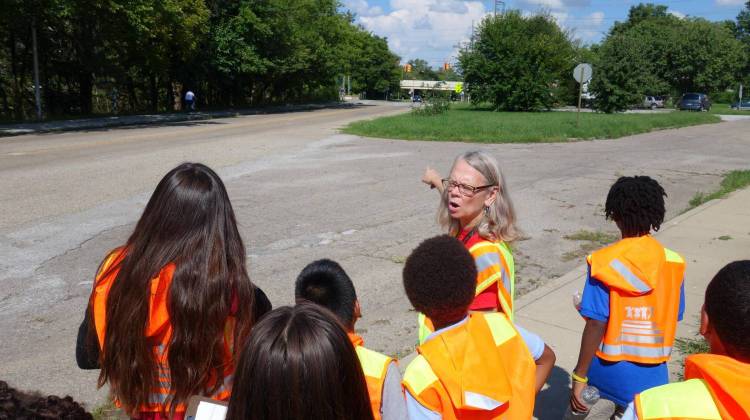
[[301, 192]]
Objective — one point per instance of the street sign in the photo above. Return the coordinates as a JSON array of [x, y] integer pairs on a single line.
[[459, 87], [582, 73]]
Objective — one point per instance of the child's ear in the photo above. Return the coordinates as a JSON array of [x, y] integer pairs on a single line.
[[357, 311], [705, 328]]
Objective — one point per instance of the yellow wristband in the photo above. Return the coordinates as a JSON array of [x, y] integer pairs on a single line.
[[578, 378]]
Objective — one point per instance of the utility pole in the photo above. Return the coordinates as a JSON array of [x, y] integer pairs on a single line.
[[37, 96], [500, 3]]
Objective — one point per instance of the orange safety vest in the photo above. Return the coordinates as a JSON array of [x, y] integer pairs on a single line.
[[495, 265], [158, 329], [375, 367], [644, 281], [715, 387], [479, 369]]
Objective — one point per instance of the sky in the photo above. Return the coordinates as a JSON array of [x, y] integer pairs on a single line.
[[434, 29]]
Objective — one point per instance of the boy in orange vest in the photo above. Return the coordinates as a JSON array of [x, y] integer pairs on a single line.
[[632, 300], [325, 283], [716, 385], [474, 366]]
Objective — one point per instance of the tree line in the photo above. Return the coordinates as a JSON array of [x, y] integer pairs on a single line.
[[142, 55], [524, 63]]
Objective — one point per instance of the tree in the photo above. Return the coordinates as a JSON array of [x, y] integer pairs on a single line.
[[661, 54], [420, 70], [516, 62], [373, 67]]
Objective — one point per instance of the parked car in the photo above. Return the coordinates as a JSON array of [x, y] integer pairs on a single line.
[[653, 102], [416, 98], [744, 105], [694, 102]]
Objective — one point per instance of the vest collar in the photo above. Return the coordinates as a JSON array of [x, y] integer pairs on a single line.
[[727, 379], [631, 265], [356, 339]]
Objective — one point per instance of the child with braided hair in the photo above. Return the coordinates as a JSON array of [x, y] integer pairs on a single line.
[[633, 298]]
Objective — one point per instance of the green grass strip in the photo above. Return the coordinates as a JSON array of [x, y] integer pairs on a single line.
[[468, 124], [725, 109], [732, 181]]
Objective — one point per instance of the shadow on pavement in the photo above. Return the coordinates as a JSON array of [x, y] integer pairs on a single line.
[[552, 401]]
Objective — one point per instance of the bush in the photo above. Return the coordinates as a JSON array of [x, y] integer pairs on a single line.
[[516, 62], [435, 105]]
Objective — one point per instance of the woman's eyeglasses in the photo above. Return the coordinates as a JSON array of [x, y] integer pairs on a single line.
[[464, 189]]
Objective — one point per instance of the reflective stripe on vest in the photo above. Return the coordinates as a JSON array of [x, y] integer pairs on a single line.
[[500, 327], [631, 278], [375, 367], [419, 375], [681, 400], [618, 350]]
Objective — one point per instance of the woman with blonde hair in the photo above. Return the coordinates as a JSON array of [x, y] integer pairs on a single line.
[[475, 207]]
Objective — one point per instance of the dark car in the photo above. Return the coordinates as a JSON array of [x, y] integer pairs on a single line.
[[694, 102], [416, 98], [744, 105]]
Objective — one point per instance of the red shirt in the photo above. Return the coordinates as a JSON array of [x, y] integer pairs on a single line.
[[487, 300]]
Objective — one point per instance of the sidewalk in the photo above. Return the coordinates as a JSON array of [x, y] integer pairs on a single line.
[[548, 311], [152, 119]]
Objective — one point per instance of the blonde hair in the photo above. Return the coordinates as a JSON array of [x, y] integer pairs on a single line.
[[499, 221]]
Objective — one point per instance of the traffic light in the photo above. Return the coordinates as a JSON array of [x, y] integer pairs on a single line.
[[446, 66], [407, 68]]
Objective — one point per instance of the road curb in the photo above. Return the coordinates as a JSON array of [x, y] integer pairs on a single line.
[[11, 130]]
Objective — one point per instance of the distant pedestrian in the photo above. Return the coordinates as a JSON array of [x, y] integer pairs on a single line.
[[190, 100], [633, 298]]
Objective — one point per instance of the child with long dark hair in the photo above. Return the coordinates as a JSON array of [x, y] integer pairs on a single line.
[[169, 305], [299, 364]]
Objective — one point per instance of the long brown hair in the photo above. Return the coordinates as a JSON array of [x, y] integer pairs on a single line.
[[299, 364], [189, 222]]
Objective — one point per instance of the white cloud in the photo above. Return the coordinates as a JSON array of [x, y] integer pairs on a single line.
[[362, 8], [426, 29], [677, 14], [730, 2], [588, 28], [551, 4]]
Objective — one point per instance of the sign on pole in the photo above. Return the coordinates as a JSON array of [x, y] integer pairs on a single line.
[[582, 73]]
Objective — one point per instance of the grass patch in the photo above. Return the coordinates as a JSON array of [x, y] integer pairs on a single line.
[[108, 411], [724, 109], [732, 181], [688, 346], [591, 242], [481, 125]]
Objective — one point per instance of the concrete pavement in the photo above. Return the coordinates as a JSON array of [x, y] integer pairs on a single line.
[[708, 237]]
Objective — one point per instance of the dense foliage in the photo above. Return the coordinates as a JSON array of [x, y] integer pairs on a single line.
[[657, 53], [142, 55], [517, 63]]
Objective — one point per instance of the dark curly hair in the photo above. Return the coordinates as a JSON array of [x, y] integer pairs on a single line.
[[440, 278], [325, 283], [728, 307], [15, 404], [636, 204]]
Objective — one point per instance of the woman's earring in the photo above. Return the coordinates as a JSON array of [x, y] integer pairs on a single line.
[[486, 210]]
